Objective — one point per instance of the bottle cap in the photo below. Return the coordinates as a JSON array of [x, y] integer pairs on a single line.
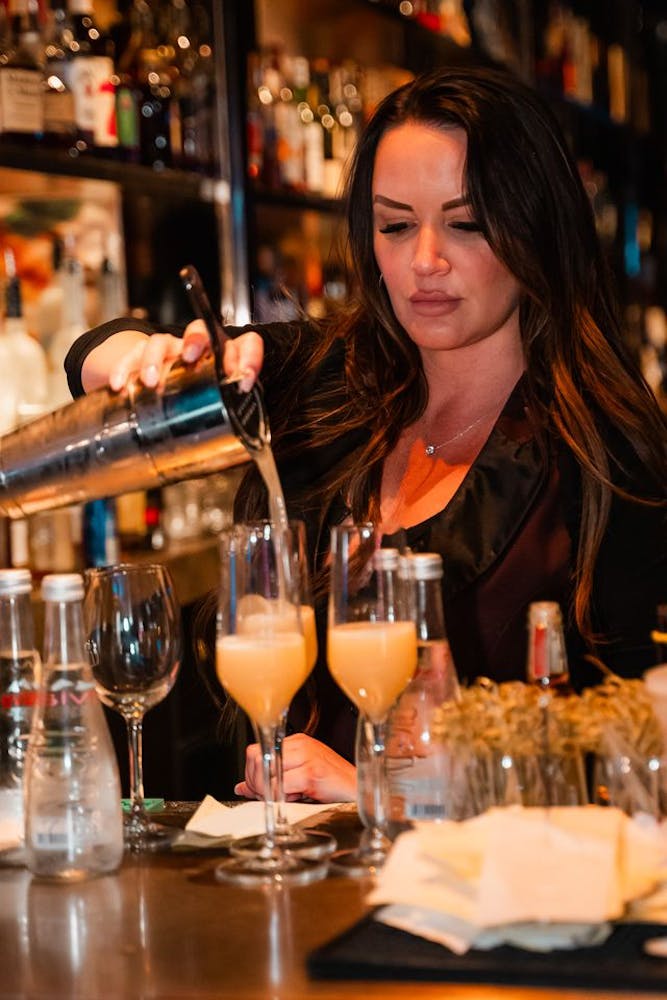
[[385, 559], [14, 582], [62, 587], [544, 614], [425, 566]]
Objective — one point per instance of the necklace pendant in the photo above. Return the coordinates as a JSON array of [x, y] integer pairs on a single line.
[[429, 450]]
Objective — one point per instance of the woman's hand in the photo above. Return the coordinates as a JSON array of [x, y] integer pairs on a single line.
[[311, 770], [129, 352]]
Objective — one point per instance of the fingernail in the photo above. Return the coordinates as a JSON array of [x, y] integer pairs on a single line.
[[116, 381], [191, 352], [150, 375], [248, 380], [236, 788]]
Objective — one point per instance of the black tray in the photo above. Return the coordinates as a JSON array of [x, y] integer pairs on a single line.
[[371, 950]]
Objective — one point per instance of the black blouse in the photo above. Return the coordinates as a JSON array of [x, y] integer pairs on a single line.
[[508, 537]]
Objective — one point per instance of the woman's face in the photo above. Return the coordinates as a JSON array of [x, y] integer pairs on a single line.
[[447, 288]]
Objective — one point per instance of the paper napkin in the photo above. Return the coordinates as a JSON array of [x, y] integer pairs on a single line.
[[535, 877], [213, 819]]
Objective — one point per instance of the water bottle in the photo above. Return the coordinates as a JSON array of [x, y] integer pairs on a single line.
[[74, 826], [19, 675], [417, 762]]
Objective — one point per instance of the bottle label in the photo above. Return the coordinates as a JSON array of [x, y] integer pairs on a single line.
[[58, 112], [21, 100], [127, 118], [94, 99]]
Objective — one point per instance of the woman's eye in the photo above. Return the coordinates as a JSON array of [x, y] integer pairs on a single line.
[[393, 227], [466, 226]]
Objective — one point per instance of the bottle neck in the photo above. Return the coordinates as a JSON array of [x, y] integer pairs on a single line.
[[16, 624], [429, 612], [64, 639]]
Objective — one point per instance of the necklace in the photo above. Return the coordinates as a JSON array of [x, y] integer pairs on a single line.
[[431, 449]]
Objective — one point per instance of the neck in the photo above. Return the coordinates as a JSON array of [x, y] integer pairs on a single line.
[[468, 381]]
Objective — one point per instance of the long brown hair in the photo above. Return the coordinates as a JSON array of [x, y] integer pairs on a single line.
[[528, 199]]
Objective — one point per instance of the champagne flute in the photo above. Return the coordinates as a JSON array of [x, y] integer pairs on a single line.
[[303, 842], [261, 663], [372, 655], [134, 636]]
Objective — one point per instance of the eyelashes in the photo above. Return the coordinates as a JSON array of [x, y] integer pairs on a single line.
[[400, 227]]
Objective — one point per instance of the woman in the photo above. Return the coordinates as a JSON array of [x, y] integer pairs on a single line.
[[476, 396]]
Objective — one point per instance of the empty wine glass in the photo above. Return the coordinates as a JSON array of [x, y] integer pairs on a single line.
[[304, 842], [372, 655], [261, 663], [134, 636]]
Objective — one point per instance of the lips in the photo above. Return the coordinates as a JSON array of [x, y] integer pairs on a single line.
[[433, 303]]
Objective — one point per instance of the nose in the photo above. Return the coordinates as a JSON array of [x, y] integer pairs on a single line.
[[429, 256]]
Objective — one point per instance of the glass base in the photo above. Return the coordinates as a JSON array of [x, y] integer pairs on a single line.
[[140, 834], [270, 868], [310, 844], [357, 864]]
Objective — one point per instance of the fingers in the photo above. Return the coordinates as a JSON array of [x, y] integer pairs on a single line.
[[195, 340], [148, 358], [244, 355]]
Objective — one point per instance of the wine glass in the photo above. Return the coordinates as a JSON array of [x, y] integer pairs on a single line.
[[372, 655], [303, 842], [134, 637], [261, 663]]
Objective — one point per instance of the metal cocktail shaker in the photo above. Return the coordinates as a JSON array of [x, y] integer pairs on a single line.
[[107, 443]]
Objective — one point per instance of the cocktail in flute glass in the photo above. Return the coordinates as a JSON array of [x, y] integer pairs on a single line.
[[261, 662], [372, 654]]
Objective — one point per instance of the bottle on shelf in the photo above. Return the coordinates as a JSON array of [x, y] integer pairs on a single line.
[[59, 114], [73, 324], [21, 98], [417, 764], [91, 79], [144, 93], [29, 367], [19, 676], [193, 87], [74, 826]]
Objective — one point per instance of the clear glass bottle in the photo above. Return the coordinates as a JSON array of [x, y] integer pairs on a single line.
[[417, 763], [74, 827], [19, 675], [29, 365]]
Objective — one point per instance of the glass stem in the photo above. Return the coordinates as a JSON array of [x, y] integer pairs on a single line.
[[135, 748], [279, 785], [375, 732], [267, 741]]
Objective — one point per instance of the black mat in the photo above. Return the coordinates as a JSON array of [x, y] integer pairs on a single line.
[[371, 950]]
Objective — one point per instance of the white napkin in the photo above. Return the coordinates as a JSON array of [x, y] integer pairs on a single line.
[[213, 819], [541, 878]]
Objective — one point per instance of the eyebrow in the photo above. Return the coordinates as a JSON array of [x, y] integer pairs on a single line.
[[390, 203]]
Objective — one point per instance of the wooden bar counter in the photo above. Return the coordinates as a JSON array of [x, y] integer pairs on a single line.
[[164, 927]]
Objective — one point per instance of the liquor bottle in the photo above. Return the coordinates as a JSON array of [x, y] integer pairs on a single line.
[[19, 675], [74, 826], [73, 324], [29, 364], [546, 662], [128, 97], [417, 763], [21, 104], [91, 78], [59, 116], [193, 130]]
